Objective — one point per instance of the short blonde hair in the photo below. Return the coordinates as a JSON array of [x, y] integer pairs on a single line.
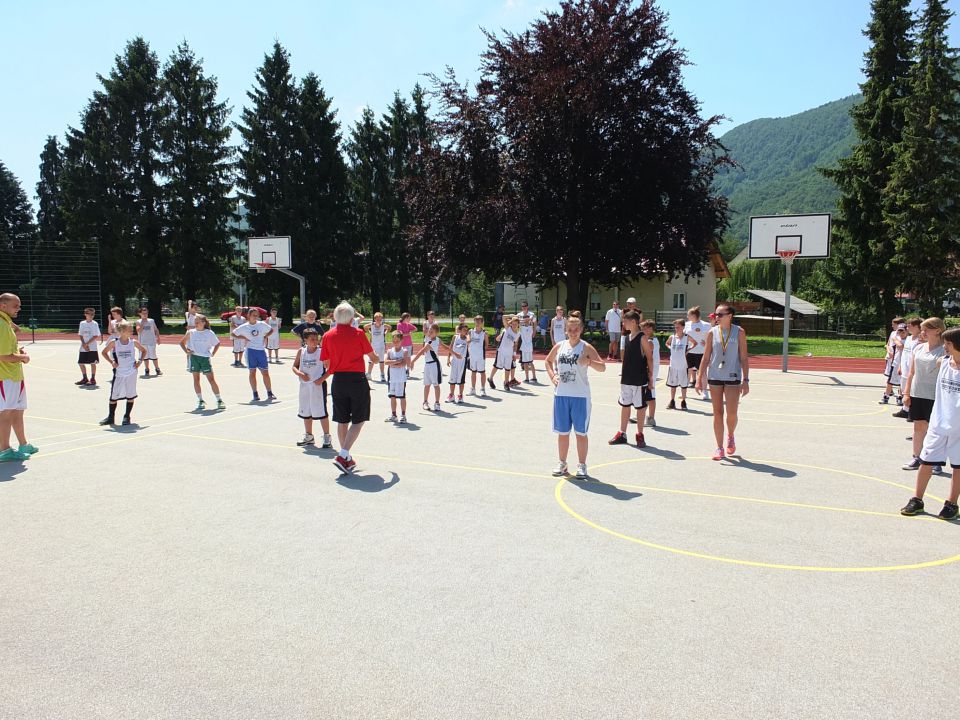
[[378, 315], [203, 320], [344, 313]]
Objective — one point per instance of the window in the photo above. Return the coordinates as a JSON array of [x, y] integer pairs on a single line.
[[594, 301], [679, 301]]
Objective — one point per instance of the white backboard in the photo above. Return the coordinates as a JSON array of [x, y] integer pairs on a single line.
[[275, 250], [810, 234]]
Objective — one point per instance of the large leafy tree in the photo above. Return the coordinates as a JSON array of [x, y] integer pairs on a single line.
[[268, 174], [921, 202], [322, 222], [862, 271], [580, 155], [196, 162]]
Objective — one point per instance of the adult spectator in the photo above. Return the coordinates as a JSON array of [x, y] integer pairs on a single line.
[[612, 324], [526, 312], [544, 323], [13, 392], [697, 331], [498, 318], [343, 352]]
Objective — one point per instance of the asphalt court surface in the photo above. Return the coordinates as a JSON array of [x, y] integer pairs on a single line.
[[201, 565]]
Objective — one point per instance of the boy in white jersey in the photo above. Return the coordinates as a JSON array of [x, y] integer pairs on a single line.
[[477, 356], [201, 344], [906, 359], [506, 353], [567, 366], [397, 362], [647, 327], [256, 332], [942, 442], [90, 335], [558, 327], [457, 361], [378, 331], [527, 330], [148, 336], [432, 375], [122, 355], [236, 320], [273, 342], [313, 393]]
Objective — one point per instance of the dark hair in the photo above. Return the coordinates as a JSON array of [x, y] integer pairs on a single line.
[[648, 324], [632, 315], [143, 308], [952, 336], [462, 326], [896, 321], [915, 321], [253, 309], [89, 310], [307, 332], [729, 308]]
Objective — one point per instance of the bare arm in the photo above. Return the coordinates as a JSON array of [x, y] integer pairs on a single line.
[[550, 364], [594, 360], [704, 364], [744, 363]]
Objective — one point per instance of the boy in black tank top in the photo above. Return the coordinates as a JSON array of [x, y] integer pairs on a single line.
[[634, 378]]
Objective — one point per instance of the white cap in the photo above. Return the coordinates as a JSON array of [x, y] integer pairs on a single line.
[[632, 300]]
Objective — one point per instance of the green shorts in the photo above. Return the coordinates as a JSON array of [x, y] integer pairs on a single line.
[[200, 364]]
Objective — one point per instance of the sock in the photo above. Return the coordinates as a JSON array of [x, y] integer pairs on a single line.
[[84, 371], [129, 409], [199, 397], [344, 454], [112, 413], [217, 396]]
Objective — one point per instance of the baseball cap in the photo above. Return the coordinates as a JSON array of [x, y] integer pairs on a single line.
[[631, 300], [902, 326]]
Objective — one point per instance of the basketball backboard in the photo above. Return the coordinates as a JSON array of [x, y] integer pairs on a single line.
[[807, 234], [273, 250]]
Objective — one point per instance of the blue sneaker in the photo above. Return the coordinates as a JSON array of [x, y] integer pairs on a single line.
[[11, 455], [28, 449]]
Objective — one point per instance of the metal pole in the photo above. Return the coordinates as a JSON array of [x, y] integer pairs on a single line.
[[303, 288], [786, 314]]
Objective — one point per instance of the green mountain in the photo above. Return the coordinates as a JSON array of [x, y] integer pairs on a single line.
[[779, 159]]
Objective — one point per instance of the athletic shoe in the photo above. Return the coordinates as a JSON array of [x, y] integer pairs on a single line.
[[633, 420], [159, 372], [492, 386], [939, 470], [256, 397], [651, 422], [93, 382], [81, 381], [146, 373], [108, 421], [28, 449], [483, 392], [436, 407], [913, 464], [582, 473], [913, 507], [473, 392], [426, 406], [683, 404], [507, 386], [11, 455], [221, 405], [270, 395], [949, 511], [342, 464], [403, 419], [672, 405], [731, 445], [392, 418], [460, 400], [369, 376], [641, 442], [901, 413], [449, 399], [515, 383], [900, 400], [327, 442], [308, 439], [126, 420], [718, 455], [885, 401], [560, 470], [201, 405], [618, 439]]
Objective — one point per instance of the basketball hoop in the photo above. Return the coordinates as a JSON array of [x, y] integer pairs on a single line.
[[262, 267], [788, 256]]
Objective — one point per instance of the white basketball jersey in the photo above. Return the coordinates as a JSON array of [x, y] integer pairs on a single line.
[[126, 357], [310, 364]]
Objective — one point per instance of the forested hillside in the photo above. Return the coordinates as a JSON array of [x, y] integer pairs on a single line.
[[779, 159]]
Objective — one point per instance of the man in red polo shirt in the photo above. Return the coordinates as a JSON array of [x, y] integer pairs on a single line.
[[344, 351]]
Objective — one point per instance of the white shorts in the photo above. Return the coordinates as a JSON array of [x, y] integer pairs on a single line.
[[477, 364], [149, 352], [125, 386], [432, 374], [633, 395], [458, 371], [237, 345], [677, 376], [940, 448], [380, 350], [13, 395], [273, 342], [526, 354], [313, 401], [504, 359]]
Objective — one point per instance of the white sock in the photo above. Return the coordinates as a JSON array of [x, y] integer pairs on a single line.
[[199, 397], [344, 454]]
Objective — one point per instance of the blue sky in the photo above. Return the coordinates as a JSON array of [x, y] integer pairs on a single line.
[[751, 58]]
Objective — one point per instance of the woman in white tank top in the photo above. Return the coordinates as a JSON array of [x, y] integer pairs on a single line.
[[726, 368], [567, 365], [920, 388]]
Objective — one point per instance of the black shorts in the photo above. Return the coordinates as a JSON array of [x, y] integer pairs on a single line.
[[351, 397], [694, 360], [733, 383], [920, 409], [88, 357]]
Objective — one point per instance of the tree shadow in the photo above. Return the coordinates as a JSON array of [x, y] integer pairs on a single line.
[[601, 488], [367, 483], [738, 461]]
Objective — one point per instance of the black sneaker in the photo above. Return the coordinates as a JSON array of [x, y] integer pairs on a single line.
[[107, 421], [886, 400], [901, 413], [81, 381], [618, 439], [900, 400], [683, 404], [949, 511], [672, 405], [126, 420], [914, 464], [492, 386], [914, 507]]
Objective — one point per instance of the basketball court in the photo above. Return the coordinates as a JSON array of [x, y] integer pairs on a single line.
[[201, 565]]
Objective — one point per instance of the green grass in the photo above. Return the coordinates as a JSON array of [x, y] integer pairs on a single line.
[[823, 347]]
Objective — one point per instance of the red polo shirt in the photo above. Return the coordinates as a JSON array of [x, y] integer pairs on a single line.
[[344, 349]]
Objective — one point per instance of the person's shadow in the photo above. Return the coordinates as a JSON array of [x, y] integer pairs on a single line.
[[10, 470], [738, 461], [368, 483], [600, 488]]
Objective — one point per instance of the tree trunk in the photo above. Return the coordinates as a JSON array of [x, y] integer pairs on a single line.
[[376, 297], [404, 298], [286, 301], [155, 307], [427, 299]]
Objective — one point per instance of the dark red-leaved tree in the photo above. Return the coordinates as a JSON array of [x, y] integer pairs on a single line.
[[578, 156]]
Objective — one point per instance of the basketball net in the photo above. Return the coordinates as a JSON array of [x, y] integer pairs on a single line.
[[788, 256], [262, 267]]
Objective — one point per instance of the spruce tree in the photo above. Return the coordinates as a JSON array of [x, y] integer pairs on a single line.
[[268, 163], [16, 219], [196, 163], [397, 128], [51, 222], [861, 270], [921, 207], [322, 223]]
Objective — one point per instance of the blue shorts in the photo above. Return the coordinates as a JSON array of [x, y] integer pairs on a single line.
[[571, 413], [257, 359]]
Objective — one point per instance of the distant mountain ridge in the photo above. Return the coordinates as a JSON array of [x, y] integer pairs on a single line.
[[779, 159]]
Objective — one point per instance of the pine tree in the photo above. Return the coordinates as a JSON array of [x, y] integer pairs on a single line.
[[322, 223], [267, 177], [861, 269], [51, 222], [397, 128], [16, 218], [196, 163], [921, 207]]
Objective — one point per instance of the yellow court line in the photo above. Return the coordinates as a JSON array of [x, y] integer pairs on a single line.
[[61, 420]]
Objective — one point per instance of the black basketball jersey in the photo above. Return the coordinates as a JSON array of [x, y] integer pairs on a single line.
[[635, 370]]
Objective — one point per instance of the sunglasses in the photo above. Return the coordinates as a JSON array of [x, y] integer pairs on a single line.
[[720, 314]]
